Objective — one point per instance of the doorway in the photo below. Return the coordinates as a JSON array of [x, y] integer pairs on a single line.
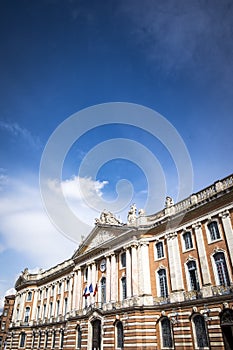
[[96, 335], [226, 322]]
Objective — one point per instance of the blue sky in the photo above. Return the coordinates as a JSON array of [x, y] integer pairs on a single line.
[[60, 57]]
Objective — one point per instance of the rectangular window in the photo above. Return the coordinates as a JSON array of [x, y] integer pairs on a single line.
[[38, 313], [5, 312], [123, 259], [188, 243], [3, 326], [58, 305], [214, 231], [65, 305], [22, 340], [159, 250]]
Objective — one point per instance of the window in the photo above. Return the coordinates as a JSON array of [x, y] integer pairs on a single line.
[[188, 243], [58, 305], [86, 274], [3, 325], [46, 339], [120, 335], [22, 340], [159, 250], [221, 267], [29, 296], [65, 305], [200, 331], [61, 338], [33, 339], [44, 311], [103, 290], [39, 340], [166, 333], [124, 288], [163, 283], [123, 259], [79, 337], [213, 230], [54, 340], [67, 284], [26, 316], [50, 308], [193, 277], [5, 312], [38, 313]]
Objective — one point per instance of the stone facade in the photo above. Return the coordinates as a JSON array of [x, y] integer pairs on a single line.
[[163, 281]]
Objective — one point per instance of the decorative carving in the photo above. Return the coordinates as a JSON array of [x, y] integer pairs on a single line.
[[106, 217], [100, 238], [141, 212]]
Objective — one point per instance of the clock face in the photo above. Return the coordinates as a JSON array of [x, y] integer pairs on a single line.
[[103, 265]]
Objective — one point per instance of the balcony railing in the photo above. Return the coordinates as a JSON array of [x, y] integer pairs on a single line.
[[192, 295], [161, 300], [222, 290]]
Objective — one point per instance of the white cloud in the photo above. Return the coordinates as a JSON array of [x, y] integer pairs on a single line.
[[17, 131]]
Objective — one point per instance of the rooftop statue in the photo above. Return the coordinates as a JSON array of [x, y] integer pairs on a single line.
[[106, 217]]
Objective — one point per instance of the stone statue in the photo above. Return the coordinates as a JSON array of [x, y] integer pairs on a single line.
[[106, 217], [169, 202], [131, 218]]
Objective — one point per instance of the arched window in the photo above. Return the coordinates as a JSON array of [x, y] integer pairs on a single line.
[[22, 340], [103, 290], [26, 316], [163, 283], [213, 230], [29, 296], [188, 243], [193, 278], [221, 267], [166, 333], [79, 337], [124, 289], [200, 331], [119, 335]]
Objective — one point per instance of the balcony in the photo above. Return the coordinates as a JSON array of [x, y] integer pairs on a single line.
[[192, 295], [161, 300], [222, 290]]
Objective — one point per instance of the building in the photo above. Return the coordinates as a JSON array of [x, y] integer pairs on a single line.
[[162, 281], [5, 319]]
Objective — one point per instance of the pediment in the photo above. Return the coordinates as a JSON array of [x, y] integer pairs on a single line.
[[100, 236]]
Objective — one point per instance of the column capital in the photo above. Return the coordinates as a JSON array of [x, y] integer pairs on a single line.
[[224, 214], [171, 235], [196, 225], [143, 243]]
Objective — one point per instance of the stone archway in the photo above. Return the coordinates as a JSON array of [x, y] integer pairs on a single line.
[[96, 334], [226, 322]]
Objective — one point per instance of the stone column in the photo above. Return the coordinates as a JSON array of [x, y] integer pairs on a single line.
[[177, 285], [226, 221], [22, 306], [93, 279], [113, 278], [206, 289], [34, 305], [108, 279], [144, 272], [134, 256], [128, 273]]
